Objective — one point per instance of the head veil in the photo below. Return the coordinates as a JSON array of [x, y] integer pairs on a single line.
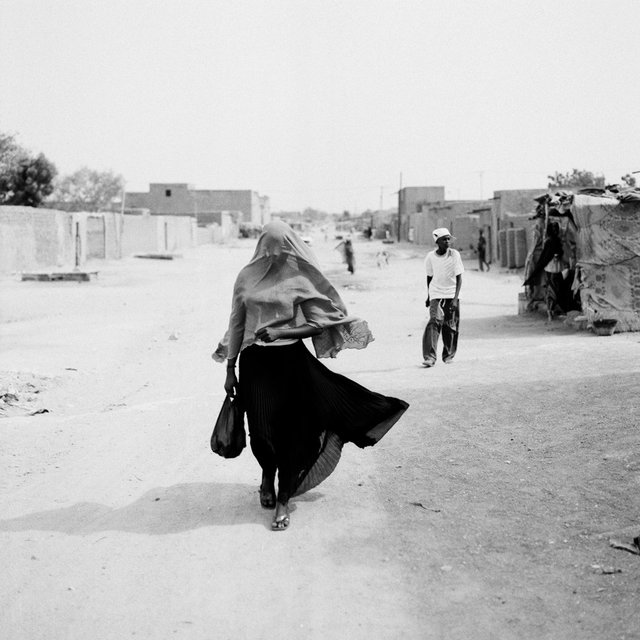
[[282, 286]]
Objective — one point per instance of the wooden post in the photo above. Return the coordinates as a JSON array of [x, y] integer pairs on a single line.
[[78, 246]]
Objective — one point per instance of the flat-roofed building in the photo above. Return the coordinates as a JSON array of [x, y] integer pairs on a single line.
[[181, 199]]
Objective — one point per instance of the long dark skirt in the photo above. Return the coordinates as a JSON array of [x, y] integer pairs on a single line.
[[300, 414]]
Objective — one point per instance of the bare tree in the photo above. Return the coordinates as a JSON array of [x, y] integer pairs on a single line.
[[87, 190]]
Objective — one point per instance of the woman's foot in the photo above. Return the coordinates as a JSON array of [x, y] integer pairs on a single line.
[[267, 492], [281, 518]]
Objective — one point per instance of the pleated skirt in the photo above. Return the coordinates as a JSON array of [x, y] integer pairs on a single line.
[[300, 414]]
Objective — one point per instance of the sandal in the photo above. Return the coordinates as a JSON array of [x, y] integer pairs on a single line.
[[280, 523]]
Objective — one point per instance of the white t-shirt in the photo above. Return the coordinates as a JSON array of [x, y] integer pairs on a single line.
[[443, 270]]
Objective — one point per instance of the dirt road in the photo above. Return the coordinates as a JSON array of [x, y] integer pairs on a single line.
[[485, 513]]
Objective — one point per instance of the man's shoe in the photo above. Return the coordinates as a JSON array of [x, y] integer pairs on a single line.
[[429, 363]]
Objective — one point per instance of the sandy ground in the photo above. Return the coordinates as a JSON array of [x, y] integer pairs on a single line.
[[485, 513]]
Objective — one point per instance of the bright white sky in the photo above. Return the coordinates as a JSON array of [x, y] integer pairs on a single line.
[[324, 103]]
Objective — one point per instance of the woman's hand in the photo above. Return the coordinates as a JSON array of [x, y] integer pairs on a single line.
[[231, 383], [268, 334]]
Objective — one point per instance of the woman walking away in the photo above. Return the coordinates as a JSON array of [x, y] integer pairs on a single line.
[[348, 254], [300, 413]]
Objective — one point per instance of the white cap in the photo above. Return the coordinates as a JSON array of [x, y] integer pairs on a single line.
[[441, 232]]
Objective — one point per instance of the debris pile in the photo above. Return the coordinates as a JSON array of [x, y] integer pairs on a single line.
[[19, 396]]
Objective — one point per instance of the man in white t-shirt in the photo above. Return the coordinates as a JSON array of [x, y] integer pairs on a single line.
[[444, 278]]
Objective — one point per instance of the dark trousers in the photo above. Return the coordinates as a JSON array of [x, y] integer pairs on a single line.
[[445, 320]]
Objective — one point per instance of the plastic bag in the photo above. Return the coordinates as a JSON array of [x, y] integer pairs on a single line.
[[228, 438]]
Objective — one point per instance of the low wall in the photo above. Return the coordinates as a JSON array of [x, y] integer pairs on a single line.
[[156, 234], [218, 233], [139, 235], [32, 238], [179, 232]]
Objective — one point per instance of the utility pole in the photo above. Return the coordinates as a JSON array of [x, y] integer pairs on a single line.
[[399, 207], [121, 221]]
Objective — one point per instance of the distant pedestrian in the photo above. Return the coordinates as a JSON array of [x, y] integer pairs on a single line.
[[482, 251], [382, 258], [348, 255], [444, 270]]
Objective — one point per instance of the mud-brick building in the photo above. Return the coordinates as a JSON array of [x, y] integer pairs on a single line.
[[423, 209], [512, 209], [414, 200], [453, 214], [505, 220], [181, 199]]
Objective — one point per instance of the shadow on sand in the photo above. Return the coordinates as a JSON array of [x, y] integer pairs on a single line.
[[513, 326], [161, 511]]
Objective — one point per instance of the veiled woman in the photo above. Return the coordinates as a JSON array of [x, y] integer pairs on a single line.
[[550, 263], [299, 412]]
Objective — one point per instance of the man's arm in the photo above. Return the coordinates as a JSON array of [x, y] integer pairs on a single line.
[[429, 279], [458, 285]]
